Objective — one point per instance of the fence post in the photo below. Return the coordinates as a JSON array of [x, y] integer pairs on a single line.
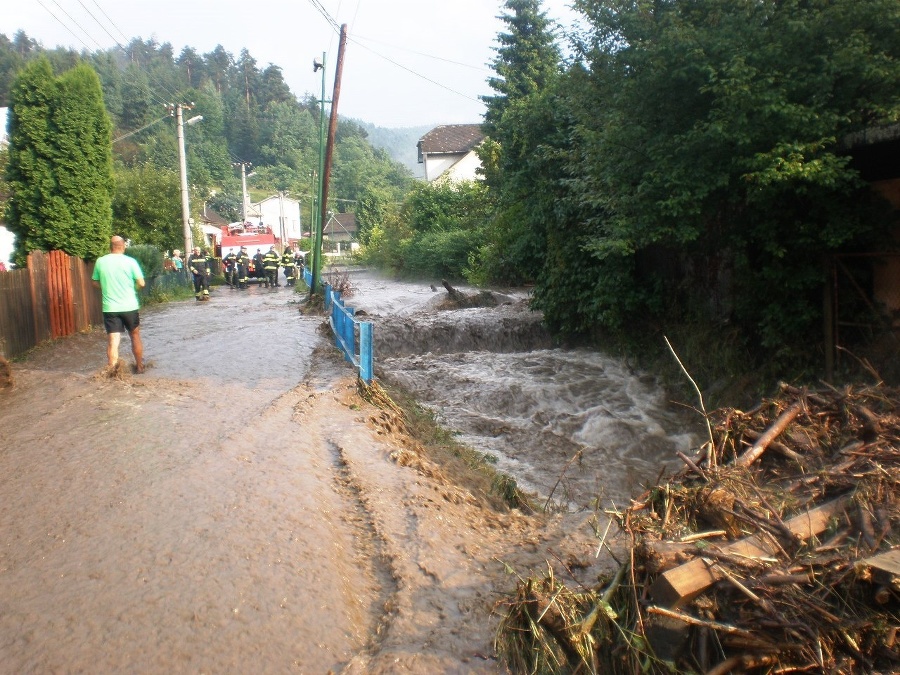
[[34, 302], [349, 333], [365, 351]]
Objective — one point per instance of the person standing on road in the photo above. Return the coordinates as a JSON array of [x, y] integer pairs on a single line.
[[229, 263], [198, 264], [287, 262], [177, 261], [270, 265], [119, 276], [243, 264], [258, 265]]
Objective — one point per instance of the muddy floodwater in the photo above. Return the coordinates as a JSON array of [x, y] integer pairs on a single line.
[[493, 375], [238, 508]]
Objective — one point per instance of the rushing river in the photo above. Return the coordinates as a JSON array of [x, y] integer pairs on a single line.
[[575, 425]]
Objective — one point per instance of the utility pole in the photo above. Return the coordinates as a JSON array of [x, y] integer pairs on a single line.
[[282, 229], [316, 250], [243, 166], [325, 151], [182, 165]]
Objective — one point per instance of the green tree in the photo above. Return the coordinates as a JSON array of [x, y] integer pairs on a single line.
[[527, 59], [84, 162], [438, 229], [147, 206], [60, 162], [526, 122], [706, 171]]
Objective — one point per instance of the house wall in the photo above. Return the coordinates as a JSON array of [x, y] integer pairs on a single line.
[[435, 165], [464, 169], [270, 213], [452, 167]]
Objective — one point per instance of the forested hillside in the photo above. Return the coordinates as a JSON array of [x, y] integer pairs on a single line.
[[250, 117], [400, 144]]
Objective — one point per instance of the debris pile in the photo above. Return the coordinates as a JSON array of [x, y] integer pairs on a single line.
[[776, 549]]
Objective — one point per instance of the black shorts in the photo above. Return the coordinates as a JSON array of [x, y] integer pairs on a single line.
[[119, 322]]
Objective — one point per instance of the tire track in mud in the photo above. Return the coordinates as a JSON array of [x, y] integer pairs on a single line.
[[372, 551], [370, 548]]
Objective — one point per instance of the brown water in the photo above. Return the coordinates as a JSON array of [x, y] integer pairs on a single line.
[[493, 375], [185, 521], [238, 509]]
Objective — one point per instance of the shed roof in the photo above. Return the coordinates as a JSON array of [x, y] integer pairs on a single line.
[[451, 139]]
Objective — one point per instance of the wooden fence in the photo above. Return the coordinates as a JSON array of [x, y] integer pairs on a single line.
[[51, 298]]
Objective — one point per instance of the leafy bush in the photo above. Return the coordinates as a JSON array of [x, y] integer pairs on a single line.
[[440, 254], [149, 257]]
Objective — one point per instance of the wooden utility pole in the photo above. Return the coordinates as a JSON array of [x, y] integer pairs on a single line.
[[332, 127]]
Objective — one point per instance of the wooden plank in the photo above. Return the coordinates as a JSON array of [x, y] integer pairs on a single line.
[[887, 562], [687, 581]]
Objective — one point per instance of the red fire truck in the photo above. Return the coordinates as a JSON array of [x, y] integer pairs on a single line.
[[253, 237]]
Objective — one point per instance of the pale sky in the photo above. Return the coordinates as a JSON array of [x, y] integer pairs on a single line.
[[407, 62]]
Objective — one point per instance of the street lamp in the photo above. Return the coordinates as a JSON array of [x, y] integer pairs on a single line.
[[244, 177], [182, 162]]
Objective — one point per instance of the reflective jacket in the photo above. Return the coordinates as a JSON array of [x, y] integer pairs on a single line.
[[271, 260], [198, 264]]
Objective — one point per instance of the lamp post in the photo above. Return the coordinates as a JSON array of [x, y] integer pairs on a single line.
[[182, 163], [244, 177]]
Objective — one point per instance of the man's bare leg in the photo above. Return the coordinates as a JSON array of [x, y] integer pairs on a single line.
[[137, 348], [112, 349]]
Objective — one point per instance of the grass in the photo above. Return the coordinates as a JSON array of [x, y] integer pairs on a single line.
[[465, 466]]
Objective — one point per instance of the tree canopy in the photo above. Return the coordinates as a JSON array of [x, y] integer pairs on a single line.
[[686, 165], [59, 169]]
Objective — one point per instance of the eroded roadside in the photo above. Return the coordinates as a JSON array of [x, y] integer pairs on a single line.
[[165, 524]]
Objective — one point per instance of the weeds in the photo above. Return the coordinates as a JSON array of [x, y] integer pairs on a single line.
[[466, 466]]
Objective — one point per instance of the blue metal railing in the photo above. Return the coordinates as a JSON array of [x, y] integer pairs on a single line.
[[356, 344], [344, 326]]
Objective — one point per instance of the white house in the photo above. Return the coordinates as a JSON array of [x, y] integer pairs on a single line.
[[279, 212], [448, 152]]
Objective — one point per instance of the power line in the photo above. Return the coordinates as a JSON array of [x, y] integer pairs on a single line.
[[413, 72], [124, 37], [64, 24], [132, 133], [426, 55], [97, 22], [320, 8]]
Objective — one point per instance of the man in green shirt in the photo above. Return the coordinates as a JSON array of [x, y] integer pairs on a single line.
[[119, 277]]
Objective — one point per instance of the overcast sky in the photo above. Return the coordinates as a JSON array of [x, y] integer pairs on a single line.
[[407, 62]]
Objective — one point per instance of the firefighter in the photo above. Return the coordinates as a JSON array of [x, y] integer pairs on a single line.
[[243, 265], [299, 263], [198, 264], [258, 269], [270, 265], [287, 262], [229, 262]]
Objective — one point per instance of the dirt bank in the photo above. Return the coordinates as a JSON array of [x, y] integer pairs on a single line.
[[178, 523]]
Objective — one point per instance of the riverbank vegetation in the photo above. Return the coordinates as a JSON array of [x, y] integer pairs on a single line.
[[683, 170], [474, 470]]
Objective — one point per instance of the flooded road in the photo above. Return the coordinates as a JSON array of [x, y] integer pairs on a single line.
[[238, 508]]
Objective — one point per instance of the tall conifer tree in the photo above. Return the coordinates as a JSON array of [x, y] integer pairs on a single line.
[[60, 163]]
